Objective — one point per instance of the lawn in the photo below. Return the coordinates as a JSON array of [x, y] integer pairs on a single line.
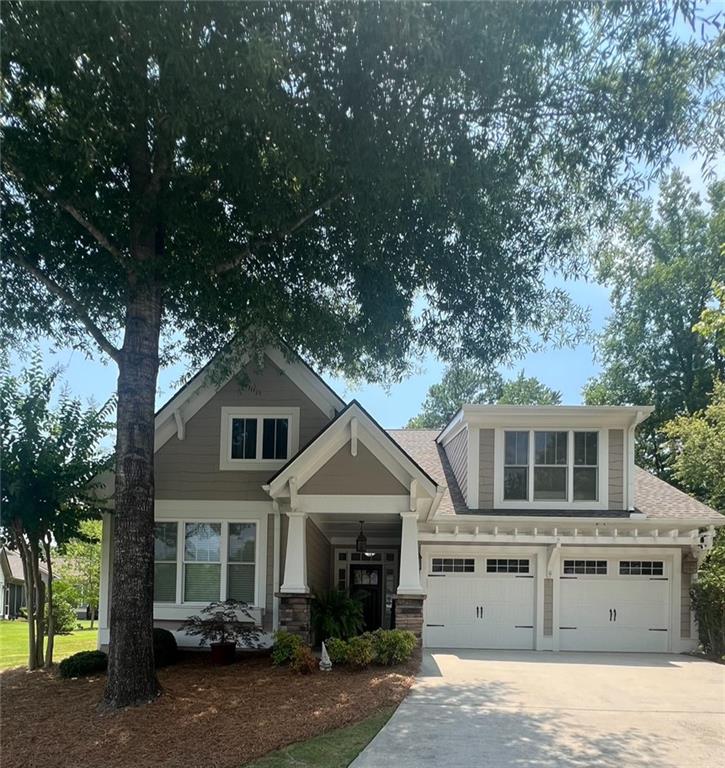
[[220, 717], [336, 749], [14, 642]]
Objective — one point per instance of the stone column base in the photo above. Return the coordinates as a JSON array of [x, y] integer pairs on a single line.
[[409, 614], [294, 614]]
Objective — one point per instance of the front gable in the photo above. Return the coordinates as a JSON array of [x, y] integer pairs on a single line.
[[348, 474]]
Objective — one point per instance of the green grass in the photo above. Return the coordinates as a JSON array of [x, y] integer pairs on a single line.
[[14, 642], [336, 749]]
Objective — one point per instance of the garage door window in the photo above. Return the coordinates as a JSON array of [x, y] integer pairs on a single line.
[[641, 568], [452, 565], [585, 567], [507, 566]]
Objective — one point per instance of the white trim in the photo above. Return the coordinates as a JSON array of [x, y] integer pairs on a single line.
[[474, 467], [368, 504], [229, 413]]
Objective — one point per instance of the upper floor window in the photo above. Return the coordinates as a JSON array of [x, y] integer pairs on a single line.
[[258, 438], [551, 465]]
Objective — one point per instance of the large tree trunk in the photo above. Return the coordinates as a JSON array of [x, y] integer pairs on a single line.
[[29, 597], [39, 602], [131, 675]]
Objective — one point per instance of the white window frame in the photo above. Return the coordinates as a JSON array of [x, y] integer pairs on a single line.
[[568, 503], [228, 414], [167, 562]]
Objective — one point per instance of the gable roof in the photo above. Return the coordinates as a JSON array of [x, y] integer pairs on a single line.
[[12, 565], [655, 498], [200, 389], [315, 447]]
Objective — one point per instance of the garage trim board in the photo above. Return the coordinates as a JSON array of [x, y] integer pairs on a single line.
[[603, 598]]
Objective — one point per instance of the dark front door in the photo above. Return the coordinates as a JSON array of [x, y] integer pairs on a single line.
[[366, 584]]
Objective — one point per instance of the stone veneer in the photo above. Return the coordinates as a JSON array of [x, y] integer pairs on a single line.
[[294, 615], [409, 613]]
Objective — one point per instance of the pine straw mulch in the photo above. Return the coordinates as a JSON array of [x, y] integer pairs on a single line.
[[215, 717]]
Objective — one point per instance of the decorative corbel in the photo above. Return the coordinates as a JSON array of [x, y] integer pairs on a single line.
[[180, 426], [353, 437], [293, 492]]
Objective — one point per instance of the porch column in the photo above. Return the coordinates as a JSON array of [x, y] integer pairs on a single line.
[[295, 560], [409, 569]]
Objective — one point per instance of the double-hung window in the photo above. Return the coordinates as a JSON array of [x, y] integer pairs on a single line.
[[550, 466], [165, 556], [257, 438], [202, 562], [241, 561]]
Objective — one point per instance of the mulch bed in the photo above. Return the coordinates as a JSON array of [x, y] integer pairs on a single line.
[[215, 717]]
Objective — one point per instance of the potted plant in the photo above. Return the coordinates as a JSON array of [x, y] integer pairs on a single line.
[[223, 625]]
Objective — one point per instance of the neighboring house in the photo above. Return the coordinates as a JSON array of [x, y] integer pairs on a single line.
[[12, 583], [515, 527]]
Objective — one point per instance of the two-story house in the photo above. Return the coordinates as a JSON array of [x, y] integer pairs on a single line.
[[514, 527]]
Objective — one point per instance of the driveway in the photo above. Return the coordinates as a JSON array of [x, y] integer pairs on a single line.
[[493, 709]]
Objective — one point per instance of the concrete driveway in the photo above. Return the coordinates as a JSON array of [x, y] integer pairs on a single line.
[[495, 709]]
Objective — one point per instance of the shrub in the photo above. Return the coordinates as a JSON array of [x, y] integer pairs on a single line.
[[337, 650], [285, 645], [708, 600], [303, 660], [360, 651], [166, 651], [65, 600], [83, 663], [336, 614], [393, 646]]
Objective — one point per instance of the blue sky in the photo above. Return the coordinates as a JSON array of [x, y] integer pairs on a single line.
[[566, 370]]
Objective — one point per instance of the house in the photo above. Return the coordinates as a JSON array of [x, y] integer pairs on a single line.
[[514, 527], [12, 583]]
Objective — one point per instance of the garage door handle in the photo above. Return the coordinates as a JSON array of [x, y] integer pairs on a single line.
[[610, 614], [615, 614]]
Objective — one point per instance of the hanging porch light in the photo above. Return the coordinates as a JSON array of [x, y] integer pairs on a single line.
[[361, 543]]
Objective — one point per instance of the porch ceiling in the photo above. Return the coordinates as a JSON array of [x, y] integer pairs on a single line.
[[378, 526]]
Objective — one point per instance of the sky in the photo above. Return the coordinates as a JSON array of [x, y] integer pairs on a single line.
[[565, 370]]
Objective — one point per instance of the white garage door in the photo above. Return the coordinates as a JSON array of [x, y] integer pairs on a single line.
[[480, 602], [614, 605]]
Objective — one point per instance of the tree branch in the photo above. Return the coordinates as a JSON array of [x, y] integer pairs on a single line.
[[69, 208], [247, 252], [113, 352]]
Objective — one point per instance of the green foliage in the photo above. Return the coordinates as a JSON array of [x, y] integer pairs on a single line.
[[336, 650], [699, 450], [83, 663], [660, 266], [465, 383], [65, 602], [712, 319], [285, 646], [81, 563], [393, 646], [303, 661], [336, 614], [363, 152], [708, 599], [166, 651], [360, 651], [228, 621]]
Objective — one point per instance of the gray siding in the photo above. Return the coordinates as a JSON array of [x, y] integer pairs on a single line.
[[689, 566], [347, 474], [485, 468], [189, 468], [318, 559], [616, 469], [457, 453], [269, 592], [548, 607]]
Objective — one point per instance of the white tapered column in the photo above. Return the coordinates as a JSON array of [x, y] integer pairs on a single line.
[[295, 561], [409, 569]]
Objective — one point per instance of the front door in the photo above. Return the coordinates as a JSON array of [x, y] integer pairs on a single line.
[[366, 584]]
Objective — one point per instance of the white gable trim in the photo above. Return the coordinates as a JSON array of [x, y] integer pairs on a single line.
[[186, 403], [339, 434]]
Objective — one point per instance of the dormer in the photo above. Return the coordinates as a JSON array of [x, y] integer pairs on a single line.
[[577, 458]]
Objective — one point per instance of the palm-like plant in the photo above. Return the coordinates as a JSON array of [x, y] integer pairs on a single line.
[[336, 614]]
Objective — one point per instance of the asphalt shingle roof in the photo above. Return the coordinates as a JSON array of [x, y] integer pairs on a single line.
[[654, 498]]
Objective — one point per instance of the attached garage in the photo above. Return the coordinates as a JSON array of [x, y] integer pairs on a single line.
[[480, 601], [614, 604]]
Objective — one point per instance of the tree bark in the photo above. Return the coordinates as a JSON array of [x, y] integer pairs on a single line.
[[39, 604], [51, 617], [131, 674], [29, 597]]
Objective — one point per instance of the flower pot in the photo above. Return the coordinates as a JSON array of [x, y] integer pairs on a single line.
[[222, 653]]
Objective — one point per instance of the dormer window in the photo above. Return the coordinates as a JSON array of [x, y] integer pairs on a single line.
[[550, 466], [258, 438]]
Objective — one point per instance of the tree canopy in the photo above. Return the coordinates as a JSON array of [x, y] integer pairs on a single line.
[[660, 267], [468, 384], [201, 172]]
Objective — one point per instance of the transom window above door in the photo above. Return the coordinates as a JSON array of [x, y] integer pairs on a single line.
[[257, 438], [551, 466]]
